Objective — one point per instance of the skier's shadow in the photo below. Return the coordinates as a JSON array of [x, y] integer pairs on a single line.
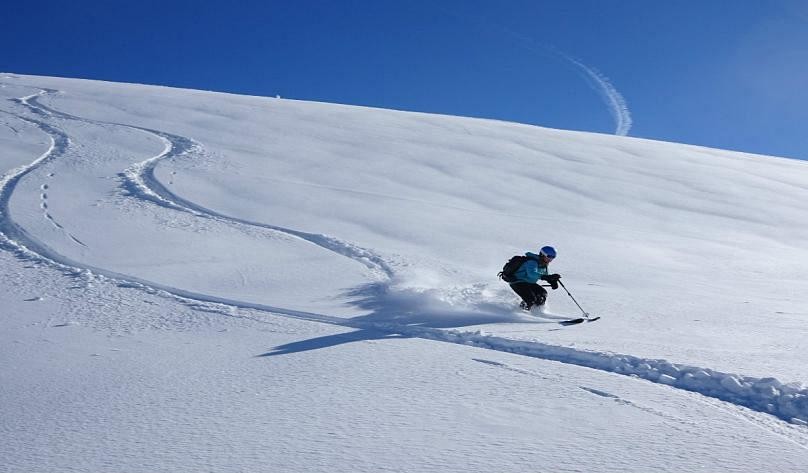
[[330, 341], [386, 308]]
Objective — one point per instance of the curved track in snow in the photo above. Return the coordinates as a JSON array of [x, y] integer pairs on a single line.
[[766, 395], [140, 181]]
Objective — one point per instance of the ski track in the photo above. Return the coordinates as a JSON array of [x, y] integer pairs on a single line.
[[140, 182], [788, 402]]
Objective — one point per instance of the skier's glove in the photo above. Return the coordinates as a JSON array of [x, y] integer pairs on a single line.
[[552, 279]]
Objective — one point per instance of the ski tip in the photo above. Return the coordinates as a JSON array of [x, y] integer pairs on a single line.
[[579, 320]]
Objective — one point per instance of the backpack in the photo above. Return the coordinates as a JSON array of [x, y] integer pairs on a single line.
[[512, 266]]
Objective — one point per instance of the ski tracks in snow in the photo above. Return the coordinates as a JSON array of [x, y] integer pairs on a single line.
[[140, 181], [764, 395], [789, 432], [12, 234]]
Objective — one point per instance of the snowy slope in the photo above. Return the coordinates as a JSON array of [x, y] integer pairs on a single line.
[[220, 282]]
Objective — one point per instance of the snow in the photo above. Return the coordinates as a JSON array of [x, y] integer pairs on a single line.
[[204, 281]]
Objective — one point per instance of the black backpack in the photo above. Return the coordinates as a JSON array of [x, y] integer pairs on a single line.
[[511, 267]]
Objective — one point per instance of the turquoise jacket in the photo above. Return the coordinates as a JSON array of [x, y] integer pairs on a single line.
[[530, 271]]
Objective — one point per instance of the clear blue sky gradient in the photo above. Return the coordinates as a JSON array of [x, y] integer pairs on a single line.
[[720, 73]]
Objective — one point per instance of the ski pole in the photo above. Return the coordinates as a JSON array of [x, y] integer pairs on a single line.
[[586, 315]]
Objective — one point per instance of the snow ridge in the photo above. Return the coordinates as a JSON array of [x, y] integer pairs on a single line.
[[768, 395]]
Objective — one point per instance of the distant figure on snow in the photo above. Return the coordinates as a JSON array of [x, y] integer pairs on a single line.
[[524, 272]]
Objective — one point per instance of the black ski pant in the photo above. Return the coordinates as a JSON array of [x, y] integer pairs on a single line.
[[532, 294]]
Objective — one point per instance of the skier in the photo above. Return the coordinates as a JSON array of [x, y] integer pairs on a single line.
[[525, 279]]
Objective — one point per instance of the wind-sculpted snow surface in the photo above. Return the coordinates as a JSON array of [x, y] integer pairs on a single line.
[[769, 395], [419, 252], [786, 401], [789, 402]]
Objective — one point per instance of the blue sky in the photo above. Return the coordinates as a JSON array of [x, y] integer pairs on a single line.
[[720, 73]]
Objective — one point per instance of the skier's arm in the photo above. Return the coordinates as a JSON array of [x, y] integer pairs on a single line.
[[552, 279], [532, 272]]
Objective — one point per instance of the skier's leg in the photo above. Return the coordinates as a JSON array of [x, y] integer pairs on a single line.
[[539, 294], [531, 294], [523, 290]]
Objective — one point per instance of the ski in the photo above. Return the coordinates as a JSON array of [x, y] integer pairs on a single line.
[[579, 320]]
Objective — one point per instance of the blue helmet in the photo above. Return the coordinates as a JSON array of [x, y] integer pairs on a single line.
[[548, 251]]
